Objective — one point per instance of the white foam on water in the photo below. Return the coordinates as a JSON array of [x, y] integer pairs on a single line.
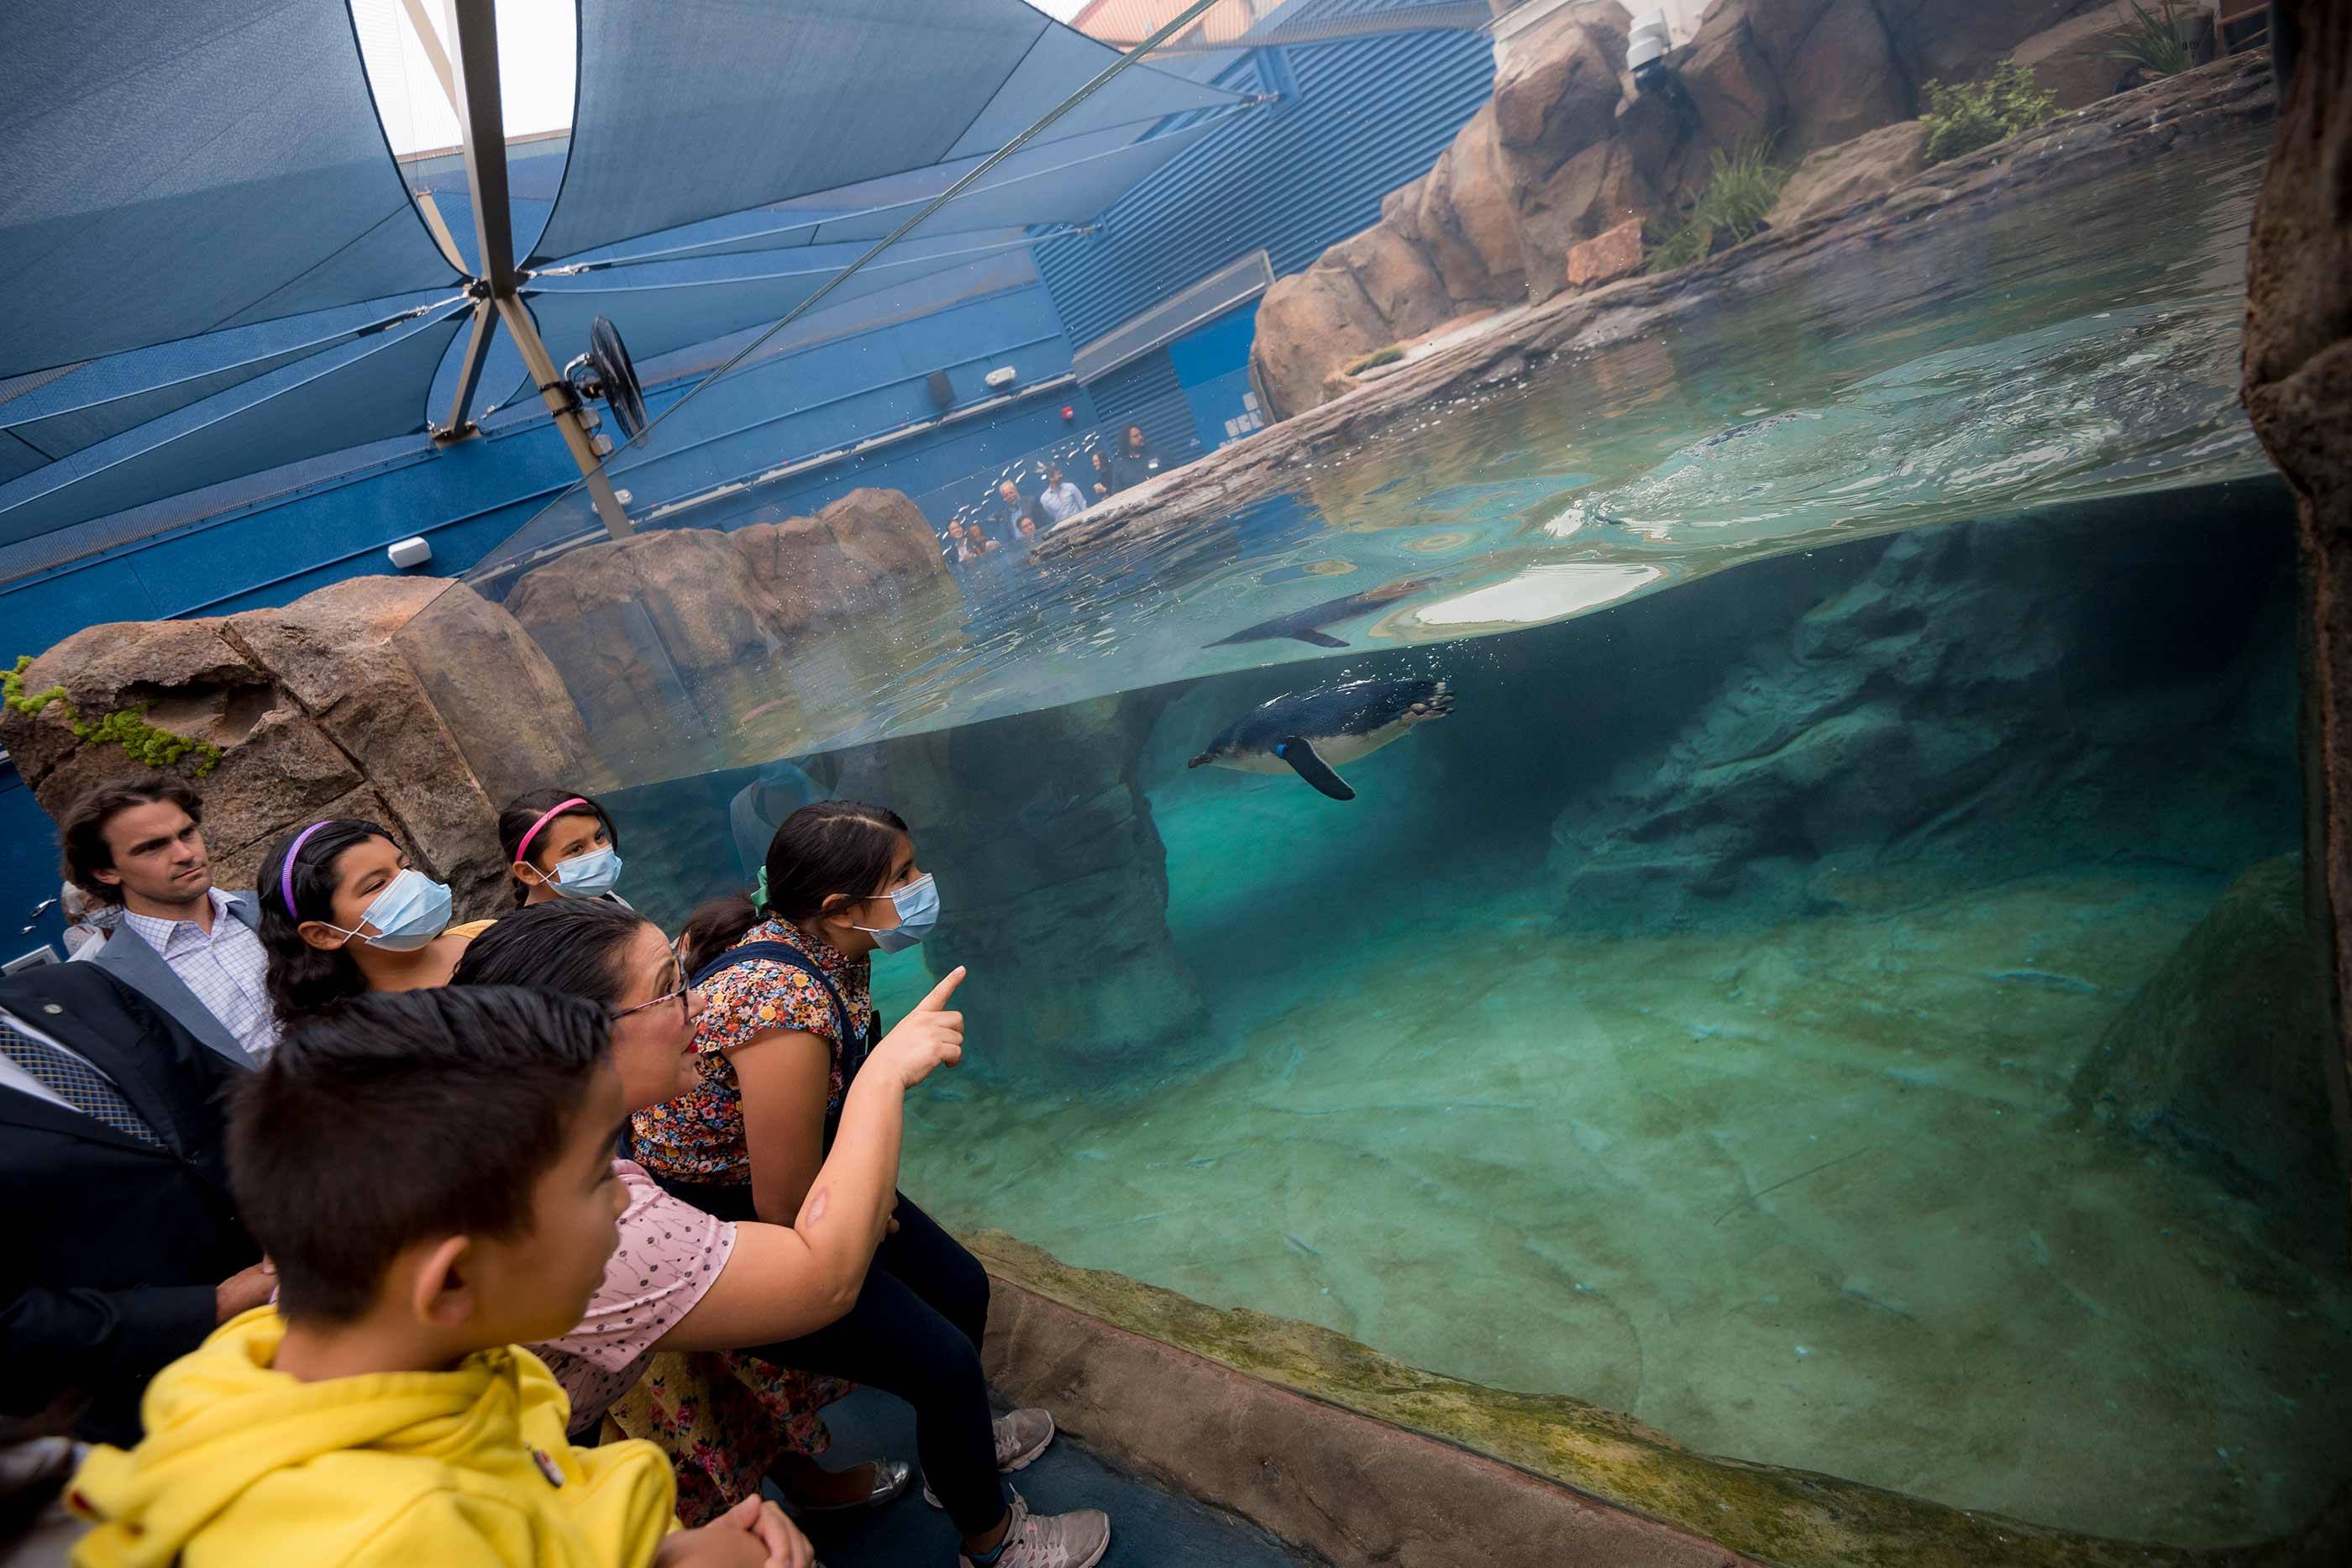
[[1537, 593]]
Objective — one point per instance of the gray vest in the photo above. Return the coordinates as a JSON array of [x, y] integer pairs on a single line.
[[130, 958]]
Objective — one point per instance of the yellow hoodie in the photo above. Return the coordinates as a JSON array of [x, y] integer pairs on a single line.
[[247, 1466]]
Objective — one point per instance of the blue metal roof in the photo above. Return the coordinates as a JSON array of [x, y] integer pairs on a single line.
[[1358, 118]]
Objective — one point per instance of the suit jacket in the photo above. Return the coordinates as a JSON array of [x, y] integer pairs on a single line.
[[114, 1248], [132, 959]]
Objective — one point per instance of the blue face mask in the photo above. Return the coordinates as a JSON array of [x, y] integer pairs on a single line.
[[411, 911], [918, 904], [588, 876]]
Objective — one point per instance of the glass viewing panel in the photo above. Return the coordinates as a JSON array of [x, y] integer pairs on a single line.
[[1823, 846]]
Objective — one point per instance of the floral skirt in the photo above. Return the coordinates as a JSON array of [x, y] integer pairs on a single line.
[[723, 1417]]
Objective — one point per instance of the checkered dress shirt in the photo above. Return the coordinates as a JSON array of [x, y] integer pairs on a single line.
[[226, 970]]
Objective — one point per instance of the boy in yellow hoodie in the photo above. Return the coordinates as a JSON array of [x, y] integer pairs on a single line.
[[431, 1173]]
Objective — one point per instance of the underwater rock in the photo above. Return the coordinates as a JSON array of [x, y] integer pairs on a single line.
[[2297, 386], [2222, 1056], [411, 701], [1963, 696], [1059, 872]]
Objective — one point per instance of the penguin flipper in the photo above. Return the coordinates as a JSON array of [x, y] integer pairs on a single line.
[[1320, 638], [1304, 761]]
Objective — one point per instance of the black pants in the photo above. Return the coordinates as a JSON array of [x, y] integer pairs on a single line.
[[915, 1333]]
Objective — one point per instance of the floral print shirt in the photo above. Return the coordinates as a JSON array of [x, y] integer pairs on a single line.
[[699, 1137]]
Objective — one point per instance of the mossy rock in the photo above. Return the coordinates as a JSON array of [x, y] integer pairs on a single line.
[[1794, 1518]]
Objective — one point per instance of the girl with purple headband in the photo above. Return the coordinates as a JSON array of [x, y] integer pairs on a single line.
[[343, 912]]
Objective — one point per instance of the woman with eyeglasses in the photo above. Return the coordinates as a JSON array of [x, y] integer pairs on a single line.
[[681, 1279]]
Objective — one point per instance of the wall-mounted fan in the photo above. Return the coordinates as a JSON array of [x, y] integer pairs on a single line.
[[606, 371]]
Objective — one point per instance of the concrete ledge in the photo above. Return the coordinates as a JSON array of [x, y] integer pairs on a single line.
[[1341, 1450]]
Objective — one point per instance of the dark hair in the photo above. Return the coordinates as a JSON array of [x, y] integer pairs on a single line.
[[573, 946], [399, 1117], [303, 978], [82, 835], [525, 809], [824, 848]]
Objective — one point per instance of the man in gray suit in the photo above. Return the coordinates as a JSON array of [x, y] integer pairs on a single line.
[[183, 943]]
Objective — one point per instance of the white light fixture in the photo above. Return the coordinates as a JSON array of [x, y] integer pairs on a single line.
[[1003, 376], [410, 552], [1648, 42]]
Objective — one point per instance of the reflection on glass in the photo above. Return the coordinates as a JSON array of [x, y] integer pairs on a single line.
[[1783, 997]]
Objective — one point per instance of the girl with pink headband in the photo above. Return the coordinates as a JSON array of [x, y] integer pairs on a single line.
[[560, 844]]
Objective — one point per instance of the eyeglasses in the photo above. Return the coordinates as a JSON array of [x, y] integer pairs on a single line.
[[679, 996]]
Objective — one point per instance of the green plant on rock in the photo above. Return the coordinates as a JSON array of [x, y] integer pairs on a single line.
[[1976, 114], [1388, 356], [125, 727], [1741, 187], [13, 692], [2154, 40]]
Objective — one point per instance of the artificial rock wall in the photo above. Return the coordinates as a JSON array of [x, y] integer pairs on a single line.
[[2298, 389], [1567, 150]]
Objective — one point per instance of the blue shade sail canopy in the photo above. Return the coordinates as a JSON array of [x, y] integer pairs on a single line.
[[364, 391], [176, 169], [1068, 183], [654, 318], [694, 109], [112, 395]]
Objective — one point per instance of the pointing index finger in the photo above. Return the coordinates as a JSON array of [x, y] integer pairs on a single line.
[[941, 992]]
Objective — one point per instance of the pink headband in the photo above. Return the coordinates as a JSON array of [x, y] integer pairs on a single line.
[[285, 873], [522, 850]]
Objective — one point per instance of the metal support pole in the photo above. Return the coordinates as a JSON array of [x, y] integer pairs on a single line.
[[559, 400], [481, 124], [470, 372]]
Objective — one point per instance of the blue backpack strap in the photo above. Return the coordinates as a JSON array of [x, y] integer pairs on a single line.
[[854, 1048]]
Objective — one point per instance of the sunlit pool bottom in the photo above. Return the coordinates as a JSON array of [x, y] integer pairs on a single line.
[[1814, 1181]]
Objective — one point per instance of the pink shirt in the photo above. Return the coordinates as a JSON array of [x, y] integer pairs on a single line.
[[669, 1255]]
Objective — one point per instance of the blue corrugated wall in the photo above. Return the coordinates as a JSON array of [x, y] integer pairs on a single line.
[[1358, 118], [1146, 391]]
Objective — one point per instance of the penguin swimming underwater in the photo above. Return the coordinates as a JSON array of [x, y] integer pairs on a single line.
[[1311, 732]]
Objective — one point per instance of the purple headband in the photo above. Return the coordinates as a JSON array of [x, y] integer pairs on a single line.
[[522, 850], [285, 872]]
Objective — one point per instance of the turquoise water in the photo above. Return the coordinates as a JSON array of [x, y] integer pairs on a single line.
[[1831, 988]]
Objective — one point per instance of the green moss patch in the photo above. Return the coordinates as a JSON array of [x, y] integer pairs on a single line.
[[1789, 1516]]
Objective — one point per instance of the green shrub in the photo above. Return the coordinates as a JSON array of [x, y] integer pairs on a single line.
[[1977, 114], [2154, 40], [1741, 187], [1388, 356], [125, 727]]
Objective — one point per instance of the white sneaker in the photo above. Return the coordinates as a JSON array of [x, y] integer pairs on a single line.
[[1020, 1438], [1076, 1540]]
